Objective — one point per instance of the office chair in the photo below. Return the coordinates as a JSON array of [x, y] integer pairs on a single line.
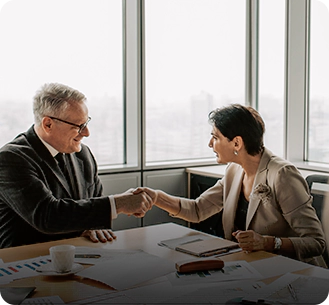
[[319, 200], [318, 197], [213, 225]]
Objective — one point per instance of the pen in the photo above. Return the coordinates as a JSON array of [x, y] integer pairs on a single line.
[[292, 292], [87, 256], [250, 301]]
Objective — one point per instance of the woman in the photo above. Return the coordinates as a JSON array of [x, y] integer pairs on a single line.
[[266, 202]]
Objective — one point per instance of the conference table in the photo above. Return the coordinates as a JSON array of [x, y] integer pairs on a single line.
[[74, 287]]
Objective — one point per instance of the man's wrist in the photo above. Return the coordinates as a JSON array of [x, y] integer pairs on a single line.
[[114, 213]]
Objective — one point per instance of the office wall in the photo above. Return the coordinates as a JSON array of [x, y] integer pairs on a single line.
[[171, 181], [119, 183]]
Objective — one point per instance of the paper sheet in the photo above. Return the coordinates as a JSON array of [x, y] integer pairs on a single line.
[[277, 265], [27, 268], [161, 291], [307, 290], [219, 293], [124, 272], [105, 254], [43, 300], [16, 295], [21, 269], [109, 297], [201, 293]]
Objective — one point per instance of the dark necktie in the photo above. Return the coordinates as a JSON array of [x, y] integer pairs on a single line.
[[63, 166]]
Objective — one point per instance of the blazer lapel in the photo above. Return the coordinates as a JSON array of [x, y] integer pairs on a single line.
[[261, 177], [77, 168], [46, 158], [231, 202]]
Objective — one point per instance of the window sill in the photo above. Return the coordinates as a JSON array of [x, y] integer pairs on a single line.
[[310, 168]]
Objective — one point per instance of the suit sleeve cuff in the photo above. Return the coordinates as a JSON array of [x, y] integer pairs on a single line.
[[113, 207]]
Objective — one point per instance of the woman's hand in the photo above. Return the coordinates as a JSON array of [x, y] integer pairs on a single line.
[[152, 193], [250, 240], [103, 235]]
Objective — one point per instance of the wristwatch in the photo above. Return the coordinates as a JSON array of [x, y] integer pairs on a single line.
[[277, 243]]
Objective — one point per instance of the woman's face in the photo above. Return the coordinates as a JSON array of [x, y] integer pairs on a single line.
[[222, 146]]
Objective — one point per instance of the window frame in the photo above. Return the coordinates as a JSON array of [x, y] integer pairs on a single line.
[[296, 102], [297, 85]]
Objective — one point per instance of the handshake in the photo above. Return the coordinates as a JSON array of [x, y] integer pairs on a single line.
[[135, 201]]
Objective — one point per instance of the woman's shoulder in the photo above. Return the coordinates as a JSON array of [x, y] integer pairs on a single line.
[[275, 162], [283, 172]]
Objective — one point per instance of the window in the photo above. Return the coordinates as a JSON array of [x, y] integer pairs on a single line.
[[195, 62], [318, 136], [271, 72], [75, 42]]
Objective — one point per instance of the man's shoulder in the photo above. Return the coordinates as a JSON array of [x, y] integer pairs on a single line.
[[18, 143], [24, 145]]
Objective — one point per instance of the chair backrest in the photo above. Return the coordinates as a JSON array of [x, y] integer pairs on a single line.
[[319, 186]]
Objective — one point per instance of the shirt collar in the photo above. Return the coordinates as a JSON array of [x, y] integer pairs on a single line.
[[51, 149]]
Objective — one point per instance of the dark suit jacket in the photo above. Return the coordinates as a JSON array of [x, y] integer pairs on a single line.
[[36, 203]]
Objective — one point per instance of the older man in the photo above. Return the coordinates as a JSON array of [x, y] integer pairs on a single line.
[[49, 187]]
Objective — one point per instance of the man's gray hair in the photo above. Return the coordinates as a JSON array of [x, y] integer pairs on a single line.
[[53, 99]]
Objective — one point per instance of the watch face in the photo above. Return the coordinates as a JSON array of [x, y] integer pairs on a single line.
[[277, 243]]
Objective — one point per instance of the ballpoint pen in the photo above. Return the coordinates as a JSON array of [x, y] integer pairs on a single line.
[[292, 292], [87, 256]]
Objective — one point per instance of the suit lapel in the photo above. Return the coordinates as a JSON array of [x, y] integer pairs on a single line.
[[46, 158], [231, 202], [261, 177], [77, 168]]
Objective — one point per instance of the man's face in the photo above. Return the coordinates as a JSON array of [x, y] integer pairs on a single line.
[[65, 137]]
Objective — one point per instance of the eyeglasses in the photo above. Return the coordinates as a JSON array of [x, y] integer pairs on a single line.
[[81, 127]]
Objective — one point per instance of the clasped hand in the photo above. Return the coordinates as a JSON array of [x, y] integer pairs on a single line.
[[135, 202], [250, 240], [132, 202]]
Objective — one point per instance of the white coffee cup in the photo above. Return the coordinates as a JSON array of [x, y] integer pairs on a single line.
[[62, 257]]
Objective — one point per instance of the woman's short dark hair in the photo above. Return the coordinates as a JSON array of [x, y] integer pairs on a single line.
[[238, 120]]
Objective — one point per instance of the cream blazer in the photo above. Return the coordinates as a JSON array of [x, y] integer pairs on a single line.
[[280, 205]]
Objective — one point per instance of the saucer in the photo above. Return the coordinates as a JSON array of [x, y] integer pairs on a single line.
[[47, 270]]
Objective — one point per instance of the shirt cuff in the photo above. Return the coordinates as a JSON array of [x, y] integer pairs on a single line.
[[113, 207]]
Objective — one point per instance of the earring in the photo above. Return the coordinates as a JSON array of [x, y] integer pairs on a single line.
[[235, 152]]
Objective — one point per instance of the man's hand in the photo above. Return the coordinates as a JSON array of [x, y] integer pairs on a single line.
[[152, 193], [129, 203], [99, 235]]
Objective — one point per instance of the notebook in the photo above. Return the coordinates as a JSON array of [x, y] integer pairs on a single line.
[[209, 247]]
